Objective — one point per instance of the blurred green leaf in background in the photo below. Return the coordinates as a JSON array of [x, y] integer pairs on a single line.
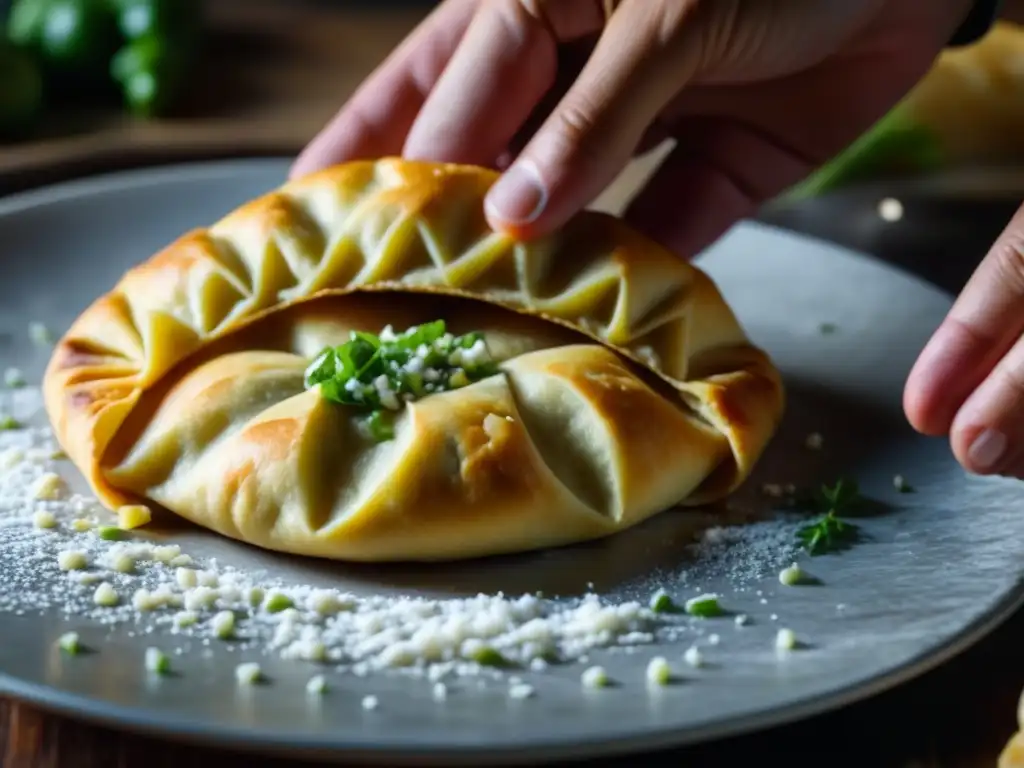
[[96, 53]]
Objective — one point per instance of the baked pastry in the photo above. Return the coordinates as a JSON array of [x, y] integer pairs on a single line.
[[245, 377]]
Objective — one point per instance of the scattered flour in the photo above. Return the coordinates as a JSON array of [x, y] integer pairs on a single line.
[[66, 565], [743, 554]]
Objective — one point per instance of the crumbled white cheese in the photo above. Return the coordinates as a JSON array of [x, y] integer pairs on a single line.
[[439, 691], [72, 560], [658, 671], [741, 620], [370, 702], [387, 396], [39, 334], [693, 656], [785, 640], [475, 355], [200, 597], [520, 691], [48, 487], [166, 553], [105, 595], [146, 600], [223, 624], [186, 578], [594, 677], [791, 575], [122, 562], [248, 673], [185, 619], [327, 603], [316, 685], [11, 458], [890, 209], [13, 378]]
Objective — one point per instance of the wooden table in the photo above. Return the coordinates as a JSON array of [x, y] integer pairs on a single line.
[[276, 72]]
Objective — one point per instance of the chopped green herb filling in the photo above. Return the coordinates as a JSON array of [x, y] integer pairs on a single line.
[[488, 657], [704, 606], [278, 602], [661, 602], [379, 373], [110, 533]]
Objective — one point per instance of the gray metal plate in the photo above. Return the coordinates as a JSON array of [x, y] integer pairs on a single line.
[[941, 566]]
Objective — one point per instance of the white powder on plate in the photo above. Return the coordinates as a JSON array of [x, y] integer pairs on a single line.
[[157, 588]]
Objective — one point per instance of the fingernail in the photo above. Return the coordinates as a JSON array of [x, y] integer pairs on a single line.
[[519, 195], [987, 449]]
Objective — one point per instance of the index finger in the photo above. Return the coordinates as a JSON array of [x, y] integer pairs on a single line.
[[375, 121], [968, 380], [501, 71]]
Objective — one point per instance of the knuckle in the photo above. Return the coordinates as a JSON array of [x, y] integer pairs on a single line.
[[1008, 259], [1011, 376], [575, 122], [576, 130]]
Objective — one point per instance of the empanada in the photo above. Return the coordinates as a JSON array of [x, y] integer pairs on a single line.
[[612, 381]]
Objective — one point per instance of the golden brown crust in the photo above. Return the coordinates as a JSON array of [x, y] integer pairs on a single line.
[[155, 391]]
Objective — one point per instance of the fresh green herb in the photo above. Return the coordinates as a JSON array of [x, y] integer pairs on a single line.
[[277, 602], [8, 422], [840, 498], [661, 602], [830, 533], [110, 533], [827, 534], [704, 606], [380, 425], [488, 657], [379, 373], [157, 661]]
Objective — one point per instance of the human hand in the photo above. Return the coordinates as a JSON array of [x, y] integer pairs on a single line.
[[968, 382], [755, 93]]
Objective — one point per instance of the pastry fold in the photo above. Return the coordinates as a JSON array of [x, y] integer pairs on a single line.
[[624, 383]]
